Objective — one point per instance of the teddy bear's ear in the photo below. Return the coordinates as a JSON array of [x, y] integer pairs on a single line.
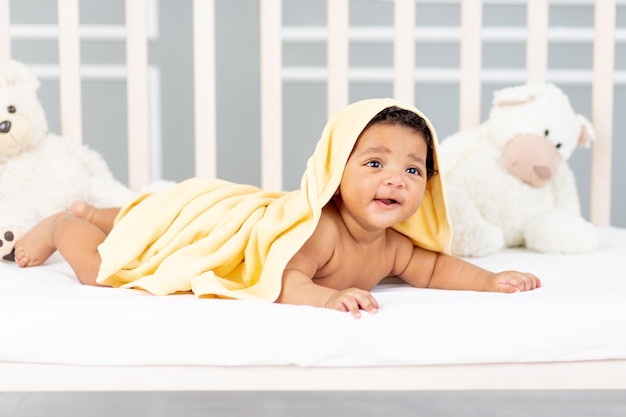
[[587, 132], [17, 74], [512, 96]]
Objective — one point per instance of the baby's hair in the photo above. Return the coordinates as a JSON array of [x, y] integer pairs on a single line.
[[397, 116]]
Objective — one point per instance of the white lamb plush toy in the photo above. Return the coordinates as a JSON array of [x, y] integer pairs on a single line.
[[42, 173], [508, 180]]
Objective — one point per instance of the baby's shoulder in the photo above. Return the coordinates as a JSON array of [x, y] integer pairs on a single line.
[[401, 248], [398, 239], [329, 220]]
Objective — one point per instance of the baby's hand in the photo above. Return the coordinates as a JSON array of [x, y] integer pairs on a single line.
[[353, 300], [512, 281]]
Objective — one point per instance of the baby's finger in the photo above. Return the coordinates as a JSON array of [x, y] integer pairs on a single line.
[[367, 302], [513, 282], [524, 281], [536, 281], [352, 306], [530, 281]]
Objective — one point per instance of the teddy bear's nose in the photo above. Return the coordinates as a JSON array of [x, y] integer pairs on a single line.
[[542, 172], [5, 126]]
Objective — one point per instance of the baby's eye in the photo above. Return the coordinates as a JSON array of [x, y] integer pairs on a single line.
[[413, 171], [373, 164]]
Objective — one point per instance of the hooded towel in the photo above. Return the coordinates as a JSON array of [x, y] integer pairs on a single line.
[[220, 239]]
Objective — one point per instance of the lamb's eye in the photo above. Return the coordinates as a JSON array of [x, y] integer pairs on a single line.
[[558, 145], [546, 132], [11, 109]]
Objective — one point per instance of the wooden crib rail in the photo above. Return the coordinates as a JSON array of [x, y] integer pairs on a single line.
[[137, 93], [602, 111], [5, 31], [205, 96], [337, 76]]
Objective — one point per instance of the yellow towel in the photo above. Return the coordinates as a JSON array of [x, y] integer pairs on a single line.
[[221, 239]]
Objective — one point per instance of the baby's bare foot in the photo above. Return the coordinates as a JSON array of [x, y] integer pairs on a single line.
[[37, 245]]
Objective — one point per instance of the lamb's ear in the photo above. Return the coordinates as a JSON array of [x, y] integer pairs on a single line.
[[587, 132], [17, 74], [512, 96]]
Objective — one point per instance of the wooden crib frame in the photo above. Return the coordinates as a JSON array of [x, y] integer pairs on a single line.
[[571, 375]]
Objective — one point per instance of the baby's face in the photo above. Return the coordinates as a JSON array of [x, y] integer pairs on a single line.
[[385, 177]]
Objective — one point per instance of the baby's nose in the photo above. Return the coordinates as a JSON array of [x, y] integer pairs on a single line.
[[395, 179]]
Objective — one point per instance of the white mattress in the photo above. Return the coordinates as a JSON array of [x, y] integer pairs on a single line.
[[46, 316]]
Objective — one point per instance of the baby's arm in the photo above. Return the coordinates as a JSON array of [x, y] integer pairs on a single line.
[[298, 286], [435, 270]]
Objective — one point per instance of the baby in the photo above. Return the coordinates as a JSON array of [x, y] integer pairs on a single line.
[[354, 244]]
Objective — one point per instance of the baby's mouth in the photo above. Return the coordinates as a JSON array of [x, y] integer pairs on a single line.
[[387, 201]]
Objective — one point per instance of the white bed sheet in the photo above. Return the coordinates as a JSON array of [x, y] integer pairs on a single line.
[[46, 316]]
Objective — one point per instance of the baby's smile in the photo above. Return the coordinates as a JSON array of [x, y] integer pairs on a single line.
[[387, 201]]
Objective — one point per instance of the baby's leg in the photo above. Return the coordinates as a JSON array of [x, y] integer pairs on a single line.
[[76, 239], [102, 218]]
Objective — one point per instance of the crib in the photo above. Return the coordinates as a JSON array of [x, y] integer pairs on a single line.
[[569, 338]]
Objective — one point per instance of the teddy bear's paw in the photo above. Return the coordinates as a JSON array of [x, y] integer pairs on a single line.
[[477, 239], [561, 232], [8, 238]]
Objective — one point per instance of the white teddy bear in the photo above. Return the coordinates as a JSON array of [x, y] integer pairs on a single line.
[[508, 180], [42, 173]]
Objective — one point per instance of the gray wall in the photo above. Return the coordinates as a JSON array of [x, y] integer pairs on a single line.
[[170, 55]]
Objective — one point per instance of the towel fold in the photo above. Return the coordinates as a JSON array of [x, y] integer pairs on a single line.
[[220, 239]]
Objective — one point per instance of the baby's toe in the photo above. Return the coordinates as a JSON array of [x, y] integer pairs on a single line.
[[21, 258], [78, 209]]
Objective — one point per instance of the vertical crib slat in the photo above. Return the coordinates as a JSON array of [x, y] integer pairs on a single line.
[[271, 95], [338, 21], [69, 69], [204, 88], [404, 51], [471, 63], [537, 41], [5, 31], [602, 111], [137, 93]]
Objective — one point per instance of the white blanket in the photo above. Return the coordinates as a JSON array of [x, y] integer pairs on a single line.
[[46, 316]]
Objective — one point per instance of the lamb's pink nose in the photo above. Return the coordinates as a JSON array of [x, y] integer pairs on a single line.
[[542, 172]]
